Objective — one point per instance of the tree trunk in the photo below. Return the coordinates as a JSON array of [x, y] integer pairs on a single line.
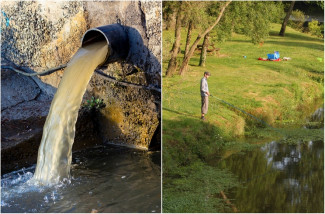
[[286, 19], [172, 65], [204, 50], [188, 56], [188, 38]]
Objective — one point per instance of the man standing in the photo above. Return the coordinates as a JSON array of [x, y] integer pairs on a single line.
[[204, 94]]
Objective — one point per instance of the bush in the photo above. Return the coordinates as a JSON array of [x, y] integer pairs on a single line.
[[315, 28], [298, 20]]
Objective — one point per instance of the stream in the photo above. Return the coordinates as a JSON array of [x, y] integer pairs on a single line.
[[103, 179], [279, 178]]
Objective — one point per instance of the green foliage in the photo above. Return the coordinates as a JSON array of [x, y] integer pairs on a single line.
[[189, 10], [186, 147], [168, 8], [196, 188], [249, 18], [195, 11], [320, 4], [315, 28], [94, 103], [255, 18], [299, 19]]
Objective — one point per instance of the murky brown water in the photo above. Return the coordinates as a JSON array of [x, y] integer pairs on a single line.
[[54, 154]]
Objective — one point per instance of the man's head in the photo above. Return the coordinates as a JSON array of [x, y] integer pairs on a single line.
[[207, 74]]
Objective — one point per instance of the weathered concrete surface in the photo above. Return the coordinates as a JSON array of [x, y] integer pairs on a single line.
[[38, 36]]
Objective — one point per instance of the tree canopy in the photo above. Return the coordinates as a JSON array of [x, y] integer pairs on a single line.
[[250, 18]]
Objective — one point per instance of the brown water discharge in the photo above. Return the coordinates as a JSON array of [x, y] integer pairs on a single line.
[[55, 151]]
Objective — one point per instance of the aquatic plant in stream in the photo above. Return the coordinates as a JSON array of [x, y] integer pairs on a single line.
[[298, 135]]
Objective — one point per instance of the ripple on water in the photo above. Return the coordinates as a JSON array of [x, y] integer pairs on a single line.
[[122, 184]]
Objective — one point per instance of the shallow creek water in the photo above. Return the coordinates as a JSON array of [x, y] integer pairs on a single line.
[[278, 178], [103, 179]]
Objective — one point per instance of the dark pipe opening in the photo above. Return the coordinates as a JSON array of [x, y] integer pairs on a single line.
[[116, 38]]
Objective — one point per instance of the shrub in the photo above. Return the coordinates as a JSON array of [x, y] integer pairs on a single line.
[[315, 28], [298, 20]]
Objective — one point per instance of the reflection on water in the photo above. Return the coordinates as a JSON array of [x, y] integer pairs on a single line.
[[279, 178], [104, 179]]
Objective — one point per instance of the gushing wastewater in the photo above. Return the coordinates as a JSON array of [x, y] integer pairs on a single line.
[[55, 151]]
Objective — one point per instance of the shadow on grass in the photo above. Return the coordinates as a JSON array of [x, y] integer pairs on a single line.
[[290, 36], [291, 43], [313, 74], [295, 36], [180, 113], [241, 41], [310, 69], [319, 47]]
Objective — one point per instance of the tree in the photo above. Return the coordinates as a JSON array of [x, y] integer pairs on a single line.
[[204, 50], [188, 56], [189, 36], [251, 18], [169, 14], [172, 65], [286, 19], [195, 17]]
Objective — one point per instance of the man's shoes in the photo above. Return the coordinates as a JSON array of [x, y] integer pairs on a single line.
[[202, 118]]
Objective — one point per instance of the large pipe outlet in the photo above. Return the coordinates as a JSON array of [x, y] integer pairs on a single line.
[[116, 37]]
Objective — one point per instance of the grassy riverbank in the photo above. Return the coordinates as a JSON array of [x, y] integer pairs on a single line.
[[280, 93]]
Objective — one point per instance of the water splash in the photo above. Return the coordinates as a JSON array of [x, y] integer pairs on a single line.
[[91, 185]]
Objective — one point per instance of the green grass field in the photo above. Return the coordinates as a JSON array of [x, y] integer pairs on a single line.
[[280, 93], [277, 92]]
